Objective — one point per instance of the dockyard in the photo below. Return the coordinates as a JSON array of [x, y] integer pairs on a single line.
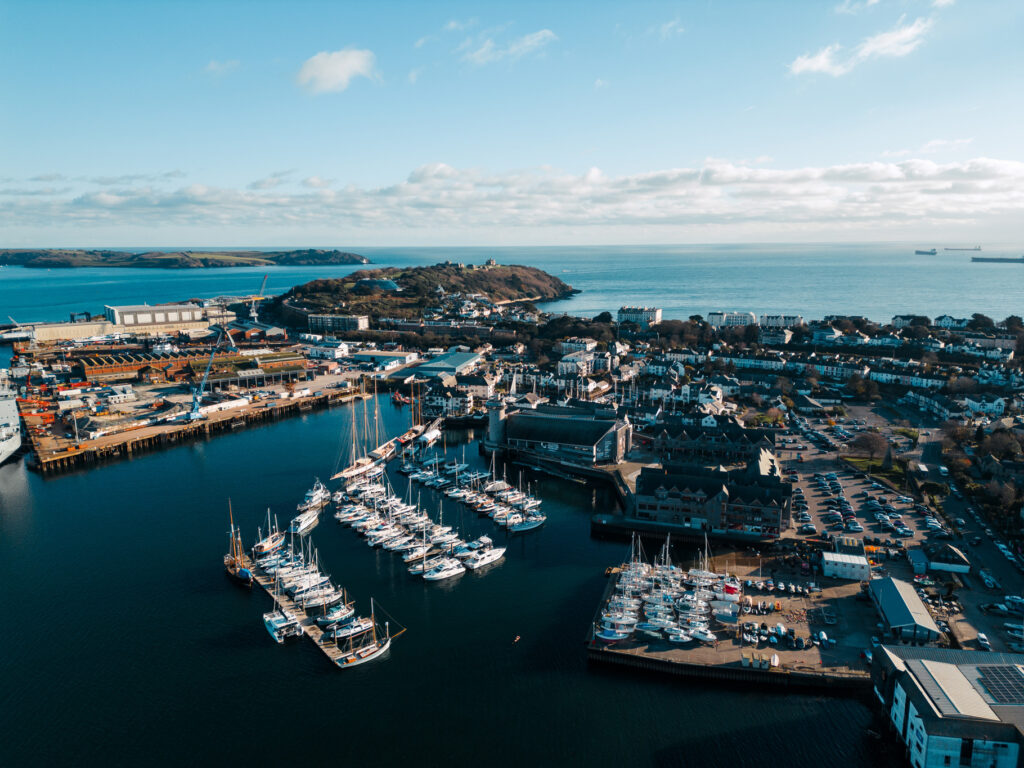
[[58, 454], [834, 610]]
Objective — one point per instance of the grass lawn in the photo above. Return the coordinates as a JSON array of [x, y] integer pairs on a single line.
[[894, 475]]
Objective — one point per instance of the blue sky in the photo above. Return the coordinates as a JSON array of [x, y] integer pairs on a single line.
[[259, 123]]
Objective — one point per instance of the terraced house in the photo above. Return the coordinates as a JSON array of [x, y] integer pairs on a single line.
[[752, 503]]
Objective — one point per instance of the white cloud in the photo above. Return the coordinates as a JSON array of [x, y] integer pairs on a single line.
[[719, 196], [668, 29], [897, 42], [456, 25], [273, 180], [894, 43], [942, 3], [414, 75], [222, 67], [599, 84], [332, 71], [422, 41], [484, 50], [822, 61], [854, 6]]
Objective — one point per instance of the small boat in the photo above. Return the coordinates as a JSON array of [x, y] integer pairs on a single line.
[[484, 557], [315, 497], [527, 523], [235, 563], [369, 648], [449, 568], [703, 634], [340, 613], [305, 522], [281, 625], [343, 630], [678, 636], [610, 635], [273, 541]]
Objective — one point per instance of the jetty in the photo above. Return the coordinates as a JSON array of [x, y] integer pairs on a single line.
[[53, 454], [306, 622]]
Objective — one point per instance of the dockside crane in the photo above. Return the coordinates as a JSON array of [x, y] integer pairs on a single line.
[[253, 311], [197, 392]]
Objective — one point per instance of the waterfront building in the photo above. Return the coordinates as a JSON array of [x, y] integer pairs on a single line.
[[782, 321], [731, 319], [334, 323], [644, 317], [748, 503], [948, 321], [452, 363], [904, 321], [952, 707], [902, 611], [583, 434], [448, 401], [384, 360], [145, 315]]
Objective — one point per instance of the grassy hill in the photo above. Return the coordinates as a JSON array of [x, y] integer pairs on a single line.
[[418, 289], [48, 258]]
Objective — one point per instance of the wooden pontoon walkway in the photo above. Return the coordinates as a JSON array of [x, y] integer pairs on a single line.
[[306, 622]]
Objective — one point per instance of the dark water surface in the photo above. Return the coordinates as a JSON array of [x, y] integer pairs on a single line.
[[124, 643]]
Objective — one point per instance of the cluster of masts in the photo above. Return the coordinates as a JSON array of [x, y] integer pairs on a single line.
[[510, 507], [300, 585], [662, 600], [432, 550]]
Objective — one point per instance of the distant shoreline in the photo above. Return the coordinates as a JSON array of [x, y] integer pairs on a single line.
[[67, 258]]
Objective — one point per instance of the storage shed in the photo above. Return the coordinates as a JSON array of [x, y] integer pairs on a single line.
[[842, 566]]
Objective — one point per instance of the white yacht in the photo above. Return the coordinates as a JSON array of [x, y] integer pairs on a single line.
[[10, 422], [305, 522], [484, 557], [447, 569], [282, 624], [315, 497]]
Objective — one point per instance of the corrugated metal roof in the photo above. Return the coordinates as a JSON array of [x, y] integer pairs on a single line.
[[950, 690], [836, 557], [900, 604]]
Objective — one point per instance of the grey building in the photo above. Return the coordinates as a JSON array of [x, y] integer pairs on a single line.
[[161, 314], [904, 614], [331, 323], [576, 435], [748, 503], [952, 707]]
